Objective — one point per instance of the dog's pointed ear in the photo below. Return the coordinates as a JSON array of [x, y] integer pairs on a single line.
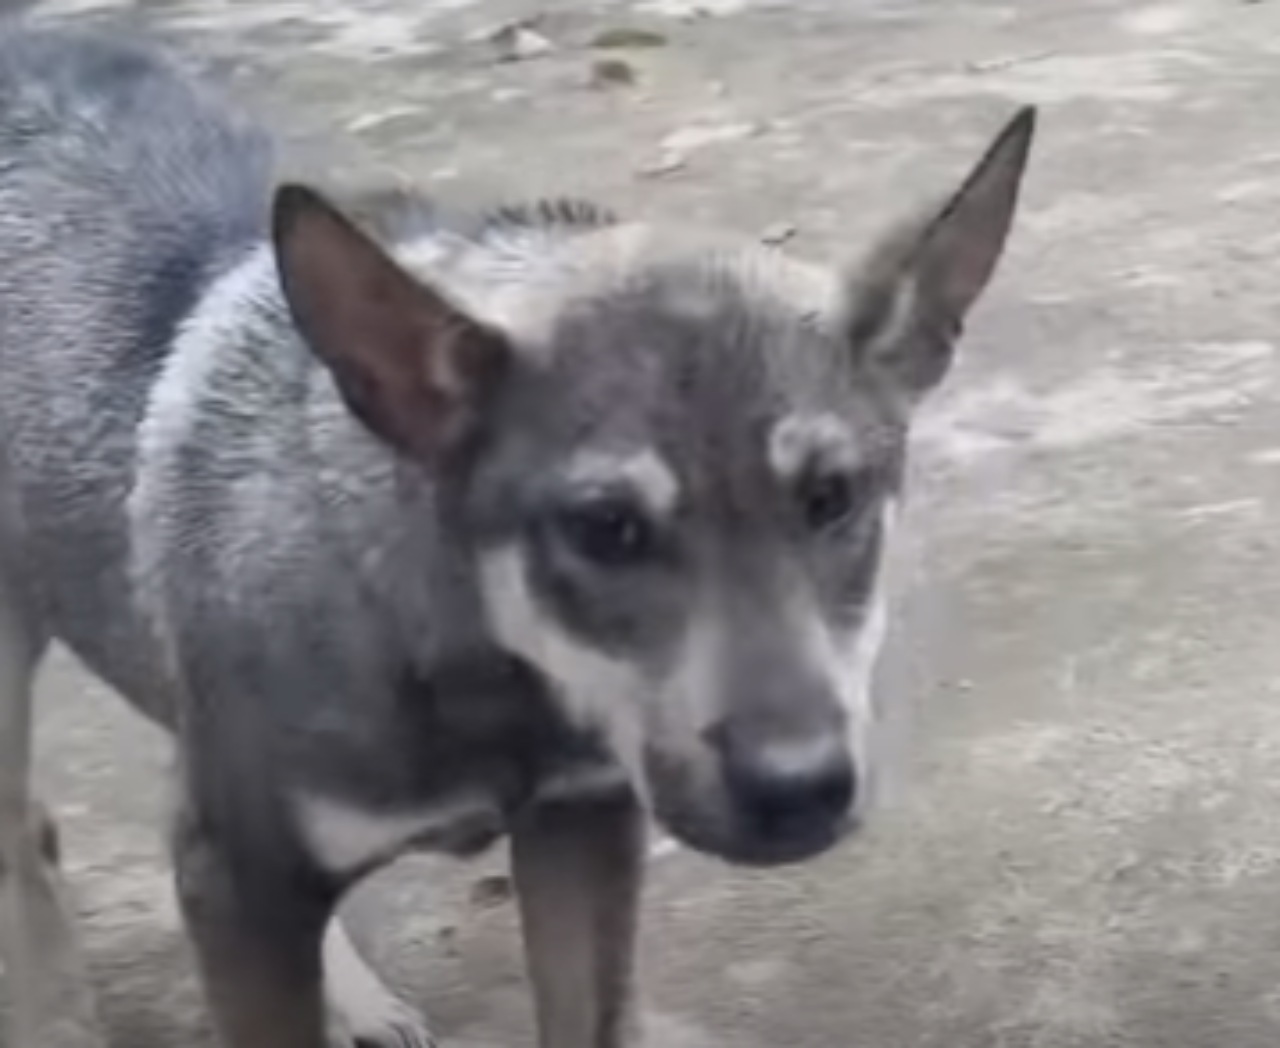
[[410, 365], [910, 299]]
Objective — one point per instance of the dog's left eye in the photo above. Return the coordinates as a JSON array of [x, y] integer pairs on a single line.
[[608, 532], [827, 500]]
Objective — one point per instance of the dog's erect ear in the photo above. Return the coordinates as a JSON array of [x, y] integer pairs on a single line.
[[410, 365], [911, 298]]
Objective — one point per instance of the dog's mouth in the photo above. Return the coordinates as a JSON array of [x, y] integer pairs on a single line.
[[741, 829], [745, 845]]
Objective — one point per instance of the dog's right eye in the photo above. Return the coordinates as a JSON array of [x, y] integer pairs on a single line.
[[827, 500], [609, 532]]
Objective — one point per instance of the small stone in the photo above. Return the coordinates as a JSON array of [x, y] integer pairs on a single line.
[[517, 42], [997, 65], [695, 136], [665, 165], [488, 892], [369, 121], [503, 95], [777, 233], [692, 10], [612, 72], [627, 37]]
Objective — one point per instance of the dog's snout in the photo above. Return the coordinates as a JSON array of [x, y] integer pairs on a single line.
[[792, 789]]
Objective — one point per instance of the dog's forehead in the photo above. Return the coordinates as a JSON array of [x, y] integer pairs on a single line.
[[713, 361], [684, 330], [697, 277], [642, 255]]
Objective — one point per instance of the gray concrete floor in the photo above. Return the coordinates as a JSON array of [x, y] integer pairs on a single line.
[[1084, 845]]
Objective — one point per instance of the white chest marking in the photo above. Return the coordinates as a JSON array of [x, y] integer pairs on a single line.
[[345, 838]]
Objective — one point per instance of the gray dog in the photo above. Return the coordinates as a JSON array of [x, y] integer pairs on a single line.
[[421, 529]]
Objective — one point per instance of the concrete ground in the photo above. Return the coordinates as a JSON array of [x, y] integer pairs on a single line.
[[1084, 844]]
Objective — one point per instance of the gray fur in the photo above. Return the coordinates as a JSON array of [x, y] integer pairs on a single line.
[[338, 550]]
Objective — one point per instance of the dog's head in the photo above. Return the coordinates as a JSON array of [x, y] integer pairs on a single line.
[[681, 465]]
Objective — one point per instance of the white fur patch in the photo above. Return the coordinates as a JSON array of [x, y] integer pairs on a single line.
[[861, 657], [215, 323], [862, 651], [850, 660], [597, 692], [580, 783], [643, 471], [344, 838], [901, 312], [797, 440]]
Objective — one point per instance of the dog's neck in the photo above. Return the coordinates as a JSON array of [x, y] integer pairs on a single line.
[[240, 363], [417, 565]]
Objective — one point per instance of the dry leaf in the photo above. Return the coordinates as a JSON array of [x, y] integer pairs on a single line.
[[626, 37], [612, 72]]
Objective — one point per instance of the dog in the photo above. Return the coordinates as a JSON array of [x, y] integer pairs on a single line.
[[422, 529]]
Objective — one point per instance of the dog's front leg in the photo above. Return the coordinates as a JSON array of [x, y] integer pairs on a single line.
[[257, 942], [578, 872]]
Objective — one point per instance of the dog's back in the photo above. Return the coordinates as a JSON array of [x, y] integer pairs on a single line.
[[123, 191], [133, 237]]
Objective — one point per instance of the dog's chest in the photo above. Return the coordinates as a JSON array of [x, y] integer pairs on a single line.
[[347, 839]]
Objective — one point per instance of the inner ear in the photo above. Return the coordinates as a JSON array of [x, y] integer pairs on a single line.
[[413, 367], [961, 246], [911, 298]]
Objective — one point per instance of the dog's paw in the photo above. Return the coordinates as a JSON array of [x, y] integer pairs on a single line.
[[362, 1011], [383, 1023]]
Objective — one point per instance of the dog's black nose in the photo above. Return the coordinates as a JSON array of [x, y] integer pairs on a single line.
[[793, 789]]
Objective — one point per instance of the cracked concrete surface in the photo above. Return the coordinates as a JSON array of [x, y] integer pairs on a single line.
[[1084, 847]]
